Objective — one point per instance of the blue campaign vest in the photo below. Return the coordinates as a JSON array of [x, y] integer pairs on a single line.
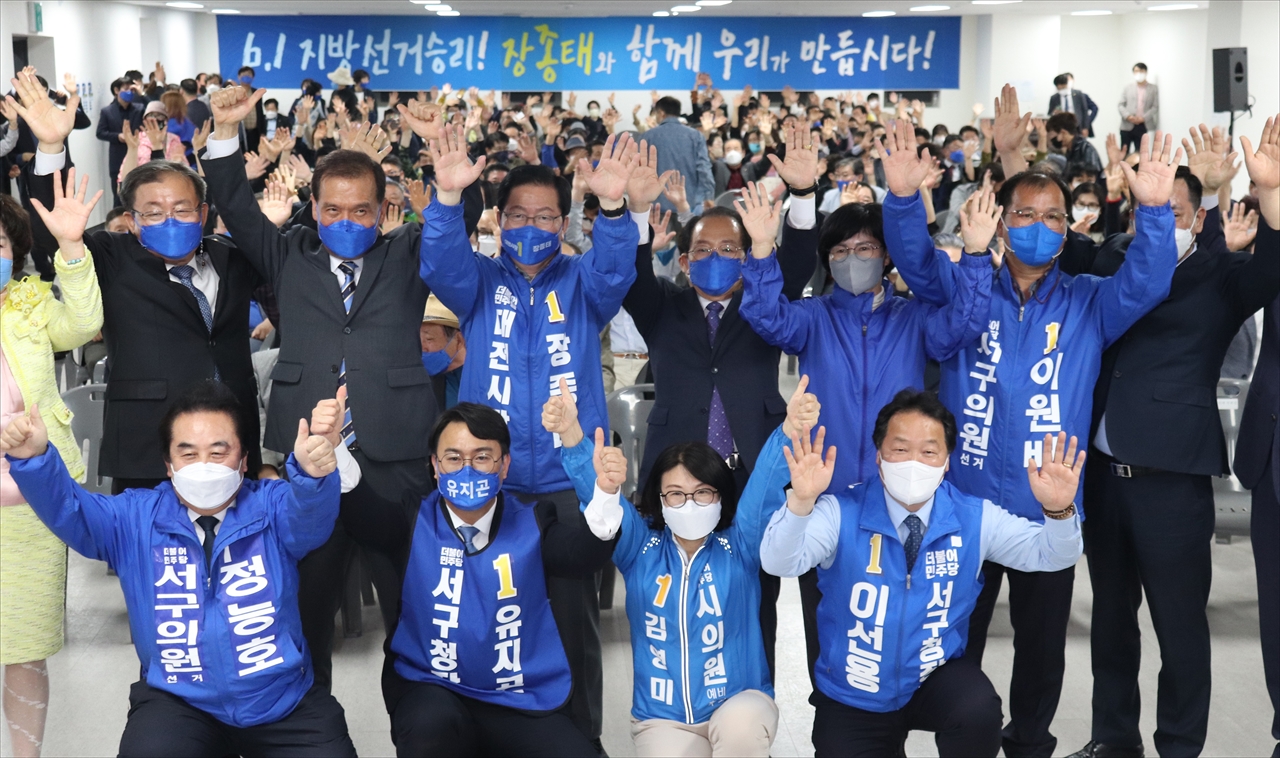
[[881, 632], [481, 624]]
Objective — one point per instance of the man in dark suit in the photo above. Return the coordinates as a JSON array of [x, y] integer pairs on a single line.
[[111, 120], [715, 379], [1157, 442], [1258, 445], [351, 303], [173, 316], [1068, 99]]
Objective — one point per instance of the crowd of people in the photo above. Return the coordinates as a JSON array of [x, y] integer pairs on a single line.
[[968, 326]]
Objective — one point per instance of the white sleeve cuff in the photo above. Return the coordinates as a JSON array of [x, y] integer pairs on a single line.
[[641, 220], [348, 470], [803, 213], [47, 163], [221, 148], [1209, 201], [604, 514]]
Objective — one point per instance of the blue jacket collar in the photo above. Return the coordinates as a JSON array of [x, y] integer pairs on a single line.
[[875, 513], [171, 514]]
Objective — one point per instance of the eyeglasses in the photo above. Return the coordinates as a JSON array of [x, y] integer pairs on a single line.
[[700, 496], [485, 463], [724, 251], [1051, 219], [517, 220], [151, 218], [864, 252]]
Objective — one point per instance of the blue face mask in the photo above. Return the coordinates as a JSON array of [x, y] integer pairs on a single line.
[[468, 489], [172, 239], [715, 274], [126, 95], [754, 147], [6, 271], [529, 244], [957, 156], [246, 79], [436, 362], [348, 239], [1035, 245]]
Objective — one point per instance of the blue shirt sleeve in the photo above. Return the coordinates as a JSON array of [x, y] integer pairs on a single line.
[[1143, 279], [1025, 545], [86, 521], [767, 310], [960, 322], [794, 544], [303, 510], [906, 235], [608, 269], [579, 465], [447, 263], [764, 494]]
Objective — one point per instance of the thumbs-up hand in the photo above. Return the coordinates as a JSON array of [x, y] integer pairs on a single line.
[[313, 452], [611, 465], [802, 410], [25, 436], [560, 416], [328, 415]]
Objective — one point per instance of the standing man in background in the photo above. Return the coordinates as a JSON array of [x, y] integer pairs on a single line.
[[683, 149], [1139, 109], [1068, 99], [111, 120]]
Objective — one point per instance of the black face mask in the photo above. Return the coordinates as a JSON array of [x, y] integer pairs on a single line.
[[1057, 143], [428, 173]]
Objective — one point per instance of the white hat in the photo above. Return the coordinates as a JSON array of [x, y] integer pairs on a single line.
[[341, 76]]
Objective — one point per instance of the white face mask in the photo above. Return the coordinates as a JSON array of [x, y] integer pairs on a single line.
[[911, 482], [1140, 76], [1183, 238], [1064, 91], [211, 88], [692, 521], [207, 485], [593, 112], [271, 114], [1078, 212], [733, 157]]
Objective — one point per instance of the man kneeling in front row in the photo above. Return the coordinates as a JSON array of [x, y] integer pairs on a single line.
[[208, 565], [891, 655]]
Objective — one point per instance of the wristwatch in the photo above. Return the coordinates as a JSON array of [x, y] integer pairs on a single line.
[[1061, 515]]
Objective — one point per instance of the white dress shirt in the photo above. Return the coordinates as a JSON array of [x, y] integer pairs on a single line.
[[205, 278], [220, 515], [484, 525]]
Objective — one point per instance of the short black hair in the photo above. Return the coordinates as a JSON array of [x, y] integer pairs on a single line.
[[347, 164], [16, 223], [966, 129], [537, 175], [922, 133], [359, 74], [668, 105], [189, 87], [116, 213], [1036, 179], [209, 396], [1078, 168], [313, 88], [1061, 80], [916, 401], [846, 221], [482, 421], [684, 241], [490, 168], [120, 84], [133, 75], [243, 69], [704, 464], [940, 129], [996, 170], [1140, 66], [1063, 121], [269, 101], [155, 171], [1194, 187]]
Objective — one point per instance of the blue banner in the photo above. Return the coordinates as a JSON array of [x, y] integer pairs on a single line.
[[515, 54]]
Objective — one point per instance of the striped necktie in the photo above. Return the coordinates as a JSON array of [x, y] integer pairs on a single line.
[[184, 275], [348, 269]]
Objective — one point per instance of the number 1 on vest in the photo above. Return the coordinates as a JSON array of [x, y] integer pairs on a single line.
[[554, 314], [873, 565], [664, 586], [506, 588]]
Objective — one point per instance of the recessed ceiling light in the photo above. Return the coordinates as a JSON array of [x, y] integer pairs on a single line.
[[878, 14], [1174, 7], [661, 14], [224, 11], [185, 6], [928, 8], [995, 2], [686, 8], [448, 13], [712, 3], [1091, 13]]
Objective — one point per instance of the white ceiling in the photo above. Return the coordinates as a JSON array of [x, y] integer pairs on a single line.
[[647, 7]]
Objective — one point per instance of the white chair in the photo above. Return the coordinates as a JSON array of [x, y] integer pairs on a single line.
[[1231, 499], [88, 404]]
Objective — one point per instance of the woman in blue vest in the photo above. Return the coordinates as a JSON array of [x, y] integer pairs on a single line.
[[689, 551], [892, 654]]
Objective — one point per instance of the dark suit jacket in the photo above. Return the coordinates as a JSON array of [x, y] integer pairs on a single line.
[[110, 123], [1259, 440], [158, 346], [1081, 104], [1158, 383], [392, 405], [686, 368]]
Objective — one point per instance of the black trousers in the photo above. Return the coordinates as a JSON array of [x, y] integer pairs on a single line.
[[1039, 609], [322, 573], [1264, 532], [956, 702], [810, 596], [431, 720], [1150, 535], [164, 725], [576, 606], [1132, 139]]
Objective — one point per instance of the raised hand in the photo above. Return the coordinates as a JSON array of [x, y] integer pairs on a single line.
[[675, 192], [230, 106], [610, 465], [128, 136], [1055, 483], [365, 137], [528, 150], [1152, 183], [810, 472], [660, 222], [254, 165], [802, 409], [201, 136], [1010, 123], [1240, 228], [25, 436], [423, 117], [800, 169], [455, 170], [979, 217], [644, 186], [313, 453], [608, 179], [905, 169], [419, 196], [1211, 167], [1084, 223], [560, 416], [1116, 185], [391, 220], [276, 203], [301, 171], [48, 123], [328, 415], [1263, 165], [1115, 152], [760, 218], [158, 135], [67, 219]]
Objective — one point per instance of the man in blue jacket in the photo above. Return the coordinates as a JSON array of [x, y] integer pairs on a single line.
[[1033, 372], [208, 566], [893, 658], [531, 317]]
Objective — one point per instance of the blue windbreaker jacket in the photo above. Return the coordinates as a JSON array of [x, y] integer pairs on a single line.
[[232, 647], [695, 627], [1033, 370], [522, 335]]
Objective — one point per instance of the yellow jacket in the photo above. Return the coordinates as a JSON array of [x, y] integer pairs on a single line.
[[34, 325]]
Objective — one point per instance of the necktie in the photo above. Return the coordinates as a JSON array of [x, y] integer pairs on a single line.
[[468, 535], [719, 436], [208, 524], [1066, 102], [184, 274], [915, 529], [348, 270]]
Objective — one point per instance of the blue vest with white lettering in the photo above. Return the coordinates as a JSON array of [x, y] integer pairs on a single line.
[[481, 624], [881, 631]]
